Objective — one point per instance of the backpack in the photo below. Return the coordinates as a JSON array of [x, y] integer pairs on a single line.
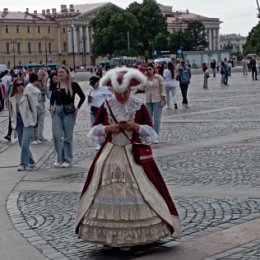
[[185, 76]]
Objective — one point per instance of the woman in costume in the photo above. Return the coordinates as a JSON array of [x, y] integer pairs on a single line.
[[123, 203]]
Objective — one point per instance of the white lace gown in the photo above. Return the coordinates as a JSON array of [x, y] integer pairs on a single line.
[[121, 207]]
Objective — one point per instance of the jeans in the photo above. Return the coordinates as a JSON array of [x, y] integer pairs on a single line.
[[24, 135], [184, 92], [38, 131], [62, 130], [155, 111], [171, 91]]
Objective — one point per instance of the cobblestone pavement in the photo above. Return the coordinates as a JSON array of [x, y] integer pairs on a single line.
[[46, 219]]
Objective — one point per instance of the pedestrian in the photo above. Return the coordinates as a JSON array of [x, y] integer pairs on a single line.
[[41, 84], [23, 114], [206, 75], [244, 65], [170, 84], [154, 96], [253, 67], [2, 95], [184, 76], [124, 202], [8, 137], [96, 97], [213, 65], [224, 73], [64, 115], [99, 71]]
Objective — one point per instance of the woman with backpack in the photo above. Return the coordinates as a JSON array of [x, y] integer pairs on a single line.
[[184, 75]]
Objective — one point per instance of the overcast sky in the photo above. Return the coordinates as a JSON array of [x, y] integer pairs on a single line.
[[238, 16]]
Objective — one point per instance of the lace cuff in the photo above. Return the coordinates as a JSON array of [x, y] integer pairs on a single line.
[[147, 134], [96, 135]]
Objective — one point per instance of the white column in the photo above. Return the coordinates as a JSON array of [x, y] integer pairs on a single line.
[[69, 40], [75, 38], [210, 39], [218, 39], [59, 41], [81, 39], [87, 40]]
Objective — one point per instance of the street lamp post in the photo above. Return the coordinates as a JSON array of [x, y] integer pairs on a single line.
[[13, 42], [73, 47], [180, 32], [46, 50]]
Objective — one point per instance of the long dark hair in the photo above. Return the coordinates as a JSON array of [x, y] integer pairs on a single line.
[[171, 68], [14, 86]]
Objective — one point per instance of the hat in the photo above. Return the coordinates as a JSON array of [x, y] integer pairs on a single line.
[[93, 80], [122, 78]]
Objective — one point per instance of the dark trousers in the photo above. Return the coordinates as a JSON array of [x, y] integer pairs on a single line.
[[254, 73], [184, 92], [9, 127]]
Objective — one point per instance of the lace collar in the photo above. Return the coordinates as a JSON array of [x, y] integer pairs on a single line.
[[127, 109]]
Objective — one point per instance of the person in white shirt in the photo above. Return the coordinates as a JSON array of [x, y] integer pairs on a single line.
[[97, 96], [170, 84]]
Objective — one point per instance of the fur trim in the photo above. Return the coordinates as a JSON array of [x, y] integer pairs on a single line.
[[132, 77]]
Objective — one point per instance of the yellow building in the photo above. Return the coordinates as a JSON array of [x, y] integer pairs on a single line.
[[48, 37], [65, 36]]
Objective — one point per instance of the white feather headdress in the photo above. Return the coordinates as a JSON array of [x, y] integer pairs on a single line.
[[122, 78]]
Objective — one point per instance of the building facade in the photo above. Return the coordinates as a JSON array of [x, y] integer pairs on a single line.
[[65, 36], [49, 36], [179, 20], [232, 41]]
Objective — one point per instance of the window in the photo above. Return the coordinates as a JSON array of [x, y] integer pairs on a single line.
[[40, 47], [39, 29], [7, 47], [64, 30], [49, 29], [18, 47], [29, 47], [64, 46], [49, 45], [29, 29], [6, 29], [17, 28]]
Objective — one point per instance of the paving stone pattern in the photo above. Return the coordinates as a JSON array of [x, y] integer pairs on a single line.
[[51, 215], [46, 219]]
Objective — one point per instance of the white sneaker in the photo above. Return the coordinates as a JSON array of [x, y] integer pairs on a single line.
[[57, 165], [34, 142], [39, 142], [21, 168], [156, 141], [65, 165]]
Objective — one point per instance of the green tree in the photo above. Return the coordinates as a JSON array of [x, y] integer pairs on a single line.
[[195, 36], [161, 42], [110, 32], [252, 44], [151, 23]]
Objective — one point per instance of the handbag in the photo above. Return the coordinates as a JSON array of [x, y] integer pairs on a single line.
[[142, 153], [69, 108]]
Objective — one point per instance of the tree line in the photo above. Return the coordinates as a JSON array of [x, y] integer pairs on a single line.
[[140, 30]]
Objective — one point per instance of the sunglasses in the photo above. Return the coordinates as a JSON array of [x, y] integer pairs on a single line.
[[19, 84]]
